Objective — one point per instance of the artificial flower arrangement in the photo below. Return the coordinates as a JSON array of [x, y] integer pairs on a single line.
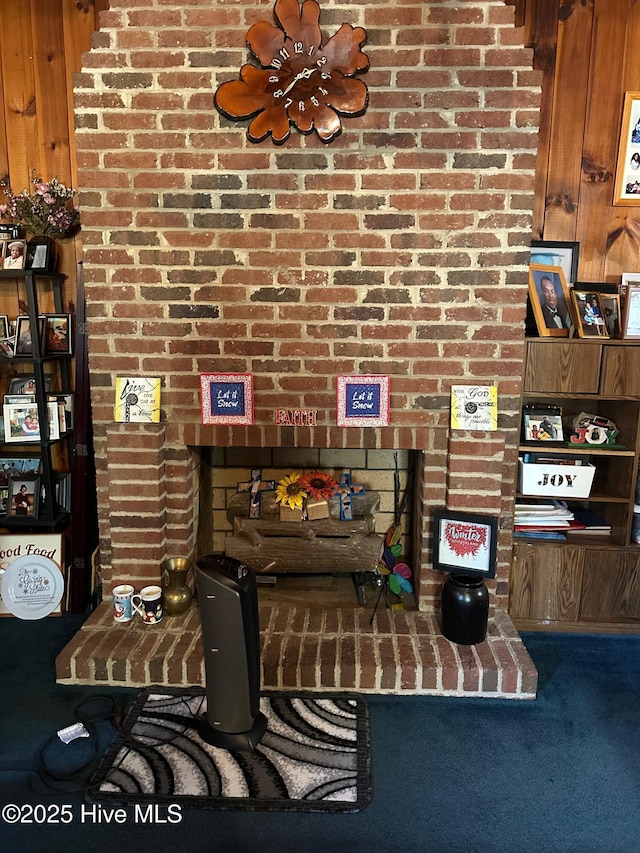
[[305, 495], [47, 211]]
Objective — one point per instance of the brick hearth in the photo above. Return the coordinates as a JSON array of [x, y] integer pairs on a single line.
[[313, 648]]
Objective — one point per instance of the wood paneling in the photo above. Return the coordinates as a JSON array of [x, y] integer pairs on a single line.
[[546, 583], [589, 58], [562, 368]]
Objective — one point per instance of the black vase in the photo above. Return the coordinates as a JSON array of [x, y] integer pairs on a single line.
[[465, 609]]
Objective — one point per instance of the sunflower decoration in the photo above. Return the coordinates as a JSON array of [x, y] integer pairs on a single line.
[[289, 491], [318, 485]]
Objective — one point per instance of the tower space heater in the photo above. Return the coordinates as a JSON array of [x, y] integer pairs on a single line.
[[228, 599]]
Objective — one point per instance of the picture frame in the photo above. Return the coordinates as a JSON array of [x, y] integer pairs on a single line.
[[626, 189], [4, 500], [540, 426], [24, 336], [465, 543], [12, 467], [589, 313], [556, 253], [612, 309], [13, 254], [24, 497], [550, 301], [9, 231], [631, 314], [363, 401], [21, 423], [25, 383], [39, 254], [5, 329], [226, 398], [57, 334]]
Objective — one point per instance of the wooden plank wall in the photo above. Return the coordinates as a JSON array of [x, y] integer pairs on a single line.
[[587, 52], [41, 44]]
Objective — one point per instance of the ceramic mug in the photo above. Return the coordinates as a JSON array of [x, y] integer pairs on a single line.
[[122, 609], [149, 604]]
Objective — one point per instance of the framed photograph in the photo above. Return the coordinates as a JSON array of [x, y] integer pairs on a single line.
[[24, 496], [4, 500], [631, 314], [549, 297], [7, 346], [57, 334], [26, 384], [612, 311], [9, 232], [12, 467], [363, 400], [465, 543], [541, 426], [14, 255], [5, 331], [24, 337], [626, 191], [226, 398], [554, 253], [590, 314], [39, 254], [21, 423]]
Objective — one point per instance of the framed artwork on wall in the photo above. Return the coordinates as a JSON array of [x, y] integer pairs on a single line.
[[226, 398], [627, 184], [363, 400]]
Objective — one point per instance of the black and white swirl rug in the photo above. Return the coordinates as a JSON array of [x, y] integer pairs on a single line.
[[314, 756]]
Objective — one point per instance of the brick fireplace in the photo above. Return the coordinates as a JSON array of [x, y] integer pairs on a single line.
[[399, 249]]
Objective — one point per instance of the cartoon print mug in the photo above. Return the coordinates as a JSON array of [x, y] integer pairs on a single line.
[[122, 609], [149, 604]]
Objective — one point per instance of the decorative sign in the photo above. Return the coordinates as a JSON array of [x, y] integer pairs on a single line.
[[474, 407], [32, 589], [226, 398], [296, 417], [363, 401], [465, 543], [137, 400]]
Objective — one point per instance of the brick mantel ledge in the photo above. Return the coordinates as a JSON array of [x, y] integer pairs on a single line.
[[311, 649]]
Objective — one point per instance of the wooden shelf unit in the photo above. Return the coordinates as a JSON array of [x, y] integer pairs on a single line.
[[585, 584]]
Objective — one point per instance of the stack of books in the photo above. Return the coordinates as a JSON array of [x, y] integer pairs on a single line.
[[552, 519], [542, 519]]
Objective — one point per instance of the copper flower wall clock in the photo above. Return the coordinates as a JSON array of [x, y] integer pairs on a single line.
[[300, 81]]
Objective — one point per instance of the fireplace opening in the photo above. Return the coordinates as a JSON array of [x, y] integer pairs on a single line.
[[325, 562]]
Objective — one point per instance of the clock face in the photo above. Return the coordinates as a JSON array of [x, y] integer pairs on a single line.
[[300, 81]]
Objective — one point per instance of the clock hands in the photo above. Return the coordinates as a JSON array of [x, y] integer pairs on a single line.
[[303, 75]]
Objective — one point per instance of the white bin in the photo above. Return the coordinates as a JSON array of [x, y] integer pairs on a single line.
[[555, 481]]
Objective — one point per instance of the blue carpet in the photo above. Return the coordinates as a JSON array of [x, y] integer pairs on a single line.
[[557, 775]]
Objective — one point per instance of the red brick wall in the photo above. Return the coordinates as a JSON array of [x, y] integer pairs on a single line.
[[399, 249]]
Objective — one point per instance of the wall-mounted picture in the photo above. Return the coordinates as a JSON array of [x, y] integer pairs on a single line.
[[626, 190], [226, 398], [23, 496], [631, 315], [464, 542], [57, 334], [363, 400], [550, 301], [554, 253], [590, 314], [24, 335]]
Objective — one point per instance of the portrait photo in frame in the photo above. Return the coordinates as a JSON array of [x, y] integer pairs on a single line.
[[14, 255], [626, 191], [24, 335], [550, 301], [24, 496], [465, 543], [226, 398], [57, 334], [589, 313], [363, 400], [555, 253]]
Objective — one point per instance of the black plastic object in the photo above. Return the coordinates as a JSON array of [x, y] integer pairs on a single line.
[[228, 599], [465, 609]]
